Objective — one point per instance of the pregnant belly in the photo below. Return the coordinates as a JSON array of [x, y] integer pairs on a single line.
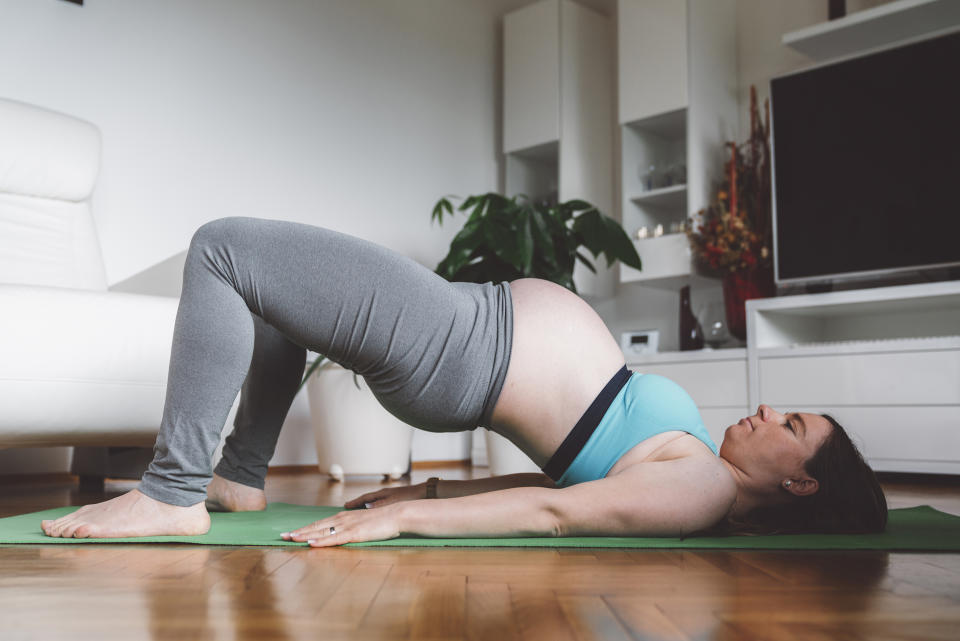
[[562, 356]]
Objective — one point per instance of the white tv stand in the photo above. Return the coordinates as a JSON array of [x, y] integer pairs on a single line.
[[884, 362]]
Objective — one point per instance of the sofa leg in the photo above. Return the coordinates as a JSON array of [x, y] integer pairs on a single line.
[[91, 484]]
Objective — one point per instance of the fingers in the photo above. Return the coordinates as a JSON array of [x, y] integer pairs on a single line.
[[369, 497], [347, 527], [314, 530], [371, 500]]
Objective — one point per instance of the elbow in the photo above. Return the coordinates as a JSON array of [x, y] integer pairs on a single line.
[[553, 526], [555, 523]]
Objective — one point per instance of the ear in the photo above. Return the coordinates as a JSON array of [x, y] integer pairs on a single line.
[[804, 486]]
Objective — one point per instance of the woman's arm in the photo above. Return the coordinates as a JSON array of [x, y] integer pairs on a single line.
[[667, 498], [517, 511], [454, 489], [450, 489]]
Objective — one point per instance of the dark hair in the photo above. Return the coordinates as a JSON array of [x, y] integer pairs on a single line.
[[849, 499]]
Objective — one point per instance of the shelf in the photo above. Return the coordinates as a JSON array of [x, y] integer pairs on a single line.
[[547, 151], [884, 313], [534, 171], [669, 124], [666, 256], [875, 28], [674, 196]]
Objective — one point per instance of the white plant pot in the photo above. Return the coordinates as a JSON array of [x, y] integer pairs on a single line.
[[354, 433], [504, 457]]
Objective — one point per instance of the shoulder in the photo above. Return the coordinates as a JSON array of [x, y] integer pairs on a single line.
[[661, 498], [695, 490]]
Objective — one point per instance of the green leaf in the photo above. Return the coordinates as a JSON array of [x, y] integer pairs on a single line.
[[583, 259], [618, 245], [578, 205], [526, 244], [321, 359], [592, 230], [543, 242]]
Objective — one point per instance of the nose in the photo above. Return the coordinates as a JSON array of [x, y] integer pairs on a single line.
[[765, 412]]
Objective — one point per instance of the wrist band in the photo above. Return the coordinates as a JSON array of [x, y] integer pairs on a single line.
[[432, 487]]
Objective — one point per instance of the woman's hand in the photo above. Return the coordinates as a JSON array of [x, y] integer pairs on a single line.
[[389, 496], [349, 527]]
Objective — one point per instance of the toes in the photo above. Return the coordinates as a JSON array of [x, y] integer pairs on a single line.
[[62, 525], [54, 528]]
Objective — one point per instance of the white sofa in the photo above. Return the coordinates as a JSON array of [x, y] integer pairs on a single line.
[[79, 365]]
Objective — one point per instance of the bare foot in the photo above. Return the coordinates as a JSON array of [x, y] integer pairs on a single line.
[[230, 496], [131, 514]]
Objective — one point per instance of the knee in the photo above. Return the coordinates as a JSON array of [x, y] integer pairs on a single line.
[[218, 231]]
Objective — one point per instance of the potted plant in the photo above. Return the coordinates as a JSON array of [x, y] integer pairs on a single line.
[[505, 239], [731, 238], [509, 238], [354, 434]]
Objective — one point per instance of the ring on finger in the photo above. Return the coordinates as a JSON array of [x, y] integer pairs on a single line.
[[333, 530]]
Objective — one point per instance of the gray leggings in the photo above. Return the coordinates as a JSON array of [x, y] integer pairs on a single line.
[[258, 293]]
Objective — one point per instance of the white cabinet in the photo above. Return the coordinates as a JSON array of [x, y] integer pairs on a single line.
[[884, 362], [652, 49], [677, 108], [531, 76], [558, 111]]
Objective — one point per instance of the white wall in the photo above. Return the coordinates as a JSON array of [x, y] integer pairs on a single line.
[[351, 115]]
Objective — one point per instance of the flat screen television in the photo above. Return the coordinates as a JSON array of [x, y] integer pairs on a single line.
[[866, 165]]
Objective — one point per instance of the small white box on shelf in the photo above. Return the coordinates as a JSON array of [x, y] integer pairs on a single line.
[[639, 342]]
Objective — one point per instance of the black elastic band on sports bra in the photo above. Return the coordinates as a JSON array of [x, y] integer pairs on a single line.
[[584, 428]]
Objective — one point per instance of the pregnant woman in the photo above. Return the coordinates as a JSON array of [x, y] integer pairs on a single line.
[[623, 454]]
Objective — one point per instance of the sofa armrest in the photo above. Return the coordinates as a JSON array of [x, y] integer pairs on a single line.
[[81, 366]]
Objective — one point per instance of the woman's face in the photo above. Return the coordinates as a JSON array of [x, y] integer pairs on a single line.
[[771, 448]]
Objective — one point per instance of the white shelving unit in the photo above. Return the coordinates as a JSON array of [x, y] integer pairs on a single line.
[[557, 112], [874, 28], [677, 79], [885, 360]]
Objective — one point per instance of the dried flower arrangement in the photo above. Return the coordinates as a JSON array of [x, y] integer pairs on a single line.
[[733, 233]]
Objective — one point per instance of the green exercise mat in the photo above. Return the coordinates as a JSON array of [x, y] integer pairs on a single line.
[[916, 528]]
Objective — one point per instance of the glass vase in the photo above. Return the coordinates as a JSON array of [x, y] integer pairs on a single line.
[[738, 288]]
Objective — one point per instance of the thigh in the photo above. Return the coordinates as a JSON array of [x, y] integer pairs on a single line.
[[420, 341]]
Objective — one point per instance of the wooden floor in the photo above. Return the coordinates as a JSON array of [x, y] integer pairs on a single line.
[[182, 592]]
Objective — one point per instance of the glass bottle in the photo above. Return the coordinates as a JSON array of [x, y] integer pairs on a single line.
[[691, 333]]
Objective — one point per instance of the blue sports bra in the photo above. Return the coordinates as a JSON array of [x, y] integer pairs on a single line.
[[631, 408]]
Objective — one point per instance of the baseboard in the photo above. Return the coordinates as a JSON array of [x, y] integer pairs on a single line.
[[429, 465], [917, 478]]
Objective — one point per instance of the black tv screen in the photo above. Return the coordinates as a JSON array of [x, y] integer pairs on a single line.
[[866, 164]]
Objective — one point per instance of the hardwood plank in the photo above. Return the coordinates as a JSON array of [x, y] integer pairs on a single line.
[[440, 609], [346, 608], [539, 616], [643, 618], [490, 612], [591, 619], [391, 611]]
